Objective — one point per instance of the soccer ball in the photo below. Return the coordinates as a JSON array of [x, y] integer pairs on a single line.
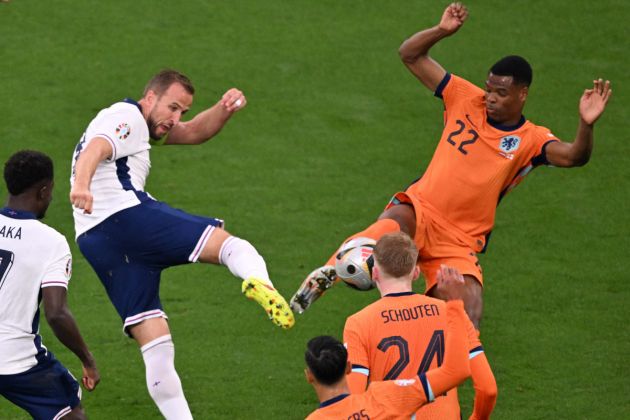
[[354, 263]]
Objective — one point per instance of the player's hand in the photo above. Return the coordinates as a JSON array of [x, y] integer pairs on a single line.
[[453, 17], [451, 283], [233, 100], [593, 101], [91, 377], [81, 198]]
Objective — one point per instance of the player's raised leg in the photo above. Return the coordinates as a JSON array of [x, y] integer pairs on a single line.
[[244, 261], [399, 217]]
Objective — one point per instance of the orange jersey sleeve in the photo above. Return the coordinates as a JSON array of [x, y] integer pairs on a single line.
[[383, 400], [357, 354], [476, 162]]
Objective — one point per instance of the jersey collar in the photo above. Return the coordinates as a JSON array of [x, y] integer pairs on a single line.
[[400, 294], [133, 102], [333, 400], [17, 214], [501, 127]]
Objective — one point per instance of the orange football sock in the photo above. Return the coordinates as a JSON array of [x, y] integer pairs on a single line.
[[374, 231], [485, 388]]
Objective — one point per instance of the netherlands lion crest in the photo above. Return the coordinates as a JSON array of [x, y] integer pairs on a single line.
[[509, 144]]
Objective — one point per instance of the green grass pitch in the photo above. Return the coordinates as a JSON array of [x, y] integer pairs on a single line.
[[334, 126]]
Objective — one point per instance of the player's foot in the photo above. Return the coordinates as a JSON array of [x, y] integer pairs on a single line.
[[272, 302], [315, 284]]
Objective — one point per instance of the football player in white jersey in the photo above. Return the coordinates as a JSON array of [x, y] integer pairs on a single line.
[[35, 265], [129, 238]]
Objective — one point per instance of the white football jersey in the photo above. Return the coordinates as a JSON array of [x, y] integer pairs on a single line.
[[117, 180], [32, 256]]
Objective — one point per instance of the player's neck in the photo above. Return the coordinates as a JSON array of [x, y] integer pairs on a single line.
[[20, 203], [325, 393], [389, 286], [511, 122]]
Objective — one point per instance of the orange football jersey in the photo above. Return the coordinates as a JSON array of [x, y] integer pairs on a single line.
[[384, 400], [400, 336], [476, 162], [401, 398]]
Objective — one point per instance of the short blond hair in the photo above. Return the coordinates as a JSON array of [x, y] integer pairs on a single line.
[[396, 254]]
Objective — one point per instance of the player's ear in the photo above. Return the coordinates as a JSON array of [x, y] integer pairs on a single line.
[[309, 376], [416, 272], [150, 97], [376, 273], [348, 367], [523, 93]]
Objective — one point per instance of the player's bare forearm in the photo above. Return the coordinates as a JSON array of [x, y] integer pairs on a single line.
[[414, 53], [96, 151], [63, 324], [208, 123], [580, 152], [569, 155], [592, 105], [201, 128], [66, 330]]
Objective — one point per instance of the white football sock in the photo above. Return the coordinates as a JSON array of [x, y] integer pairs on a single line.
[[242, 259], [164, 385]]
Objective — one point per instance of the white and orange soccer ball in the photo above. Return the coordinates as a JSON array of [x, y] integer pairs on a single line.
[[354, 263]]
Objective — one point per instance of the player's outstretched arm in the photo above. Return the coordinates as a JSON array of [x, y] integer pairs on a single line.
[[66, 330], [97, 150], [592, 105], [208, 123], [414, 52]]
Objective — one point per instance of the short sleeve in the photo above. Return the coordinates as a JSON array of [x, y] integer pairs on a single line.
[[542, 138], [59, 269], [122, 129], [453, 90], [357, 351]]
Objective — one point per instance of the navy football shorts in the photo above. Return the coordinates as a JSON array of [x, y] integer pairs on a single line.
[[129, 250], [47, 390]]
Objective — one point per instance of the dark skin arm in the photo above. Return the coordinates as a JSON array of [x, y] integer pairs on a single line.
[[66, 330], [414, 52], [592, 104]]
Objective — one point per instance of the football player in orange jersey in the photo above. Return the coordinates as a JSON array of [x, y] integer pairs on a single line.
[[401, 335], [487, 147], [327, 366]]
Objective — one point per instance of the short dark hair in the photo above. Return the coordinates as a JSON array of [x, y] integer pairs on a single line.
[[25, 169], [396, 254], [515, 66], [326, 357], [165, 78]]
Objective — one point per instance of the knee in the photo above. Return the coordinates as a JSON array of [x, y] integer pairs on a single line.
[[404, 216]]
